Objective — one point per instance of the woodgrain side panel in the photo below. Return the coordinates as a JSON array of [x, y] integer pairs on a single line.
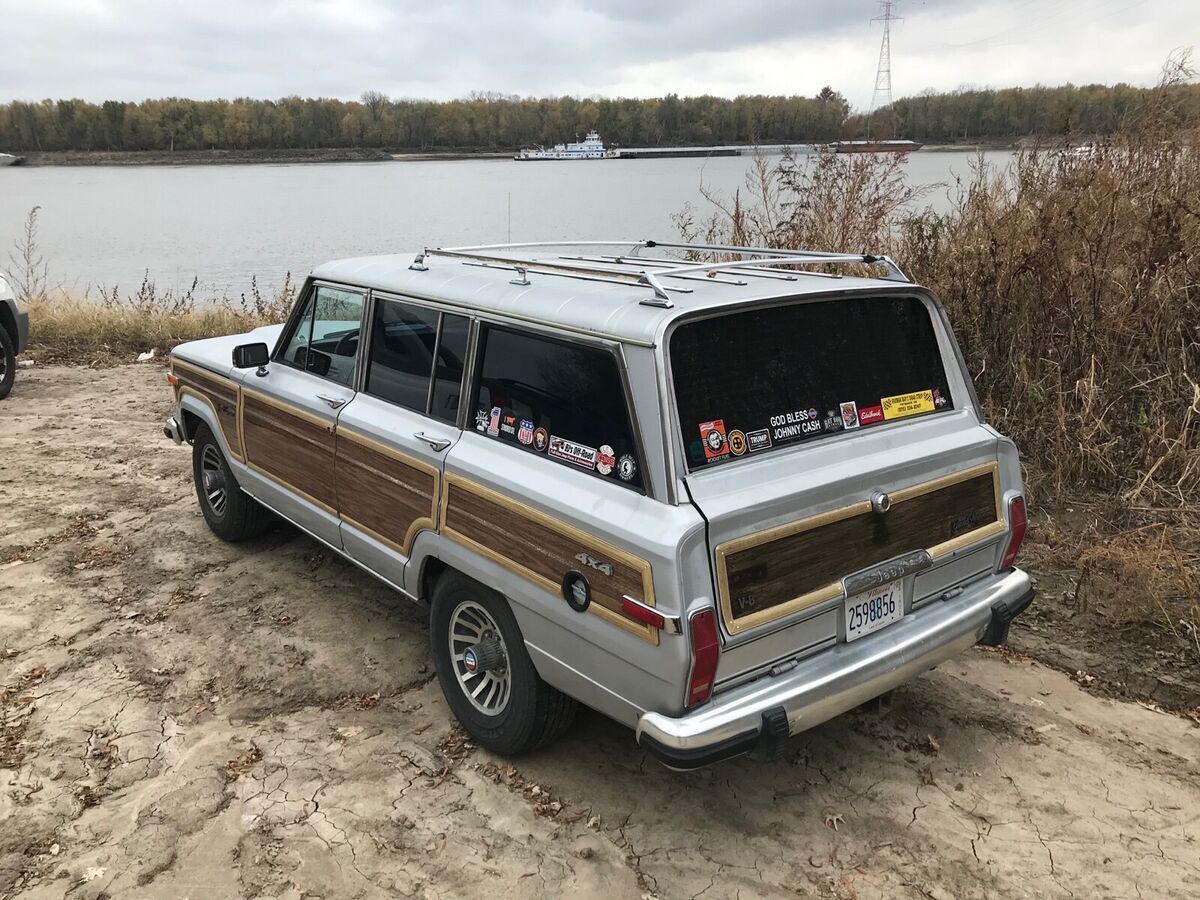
[[290, 446], [220, 393], [384, 492], [539, 548], [766, 576]]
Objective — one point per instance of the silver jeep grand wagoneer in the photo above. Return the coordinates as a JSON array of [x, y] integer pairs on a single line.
[[719, 502]]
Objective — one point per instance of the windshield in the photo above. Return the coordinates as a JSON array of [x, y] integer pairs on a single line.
[[758, 380]]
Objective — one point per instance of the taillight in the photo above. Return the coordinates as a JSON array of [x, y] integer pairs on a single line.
[[1017, 522], [706, 651]]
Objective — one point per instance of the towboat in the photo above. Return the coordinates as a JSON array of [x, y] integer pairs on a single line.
[[591, 147], [875, 146]]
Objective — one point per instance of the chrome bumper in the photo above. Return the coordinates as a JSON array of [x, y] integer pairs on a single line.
[[173, 430], [836, 679]]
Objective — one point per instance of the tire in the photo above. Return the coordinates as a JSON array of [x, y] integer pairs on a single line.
[[8, 363], [532, 713], [232, 515]]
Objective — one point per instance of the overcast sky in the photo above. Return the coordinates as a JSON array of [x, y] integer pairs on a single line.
[[132, 49]]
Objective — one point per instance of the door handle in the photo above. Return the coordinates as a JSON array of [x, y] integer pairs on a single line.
[[437, 444], [334, 402]]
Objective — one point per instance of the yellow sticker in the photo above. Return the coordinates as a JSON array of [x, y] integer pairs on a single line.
[[907, 404]]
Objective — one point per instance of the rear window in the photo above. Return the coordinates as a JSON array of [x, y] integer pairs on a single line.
[[751, 382]]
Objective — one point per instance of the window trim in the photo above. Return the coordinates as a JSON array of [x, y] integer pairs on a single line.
[[612, 348], [289, 329], [937, 320]]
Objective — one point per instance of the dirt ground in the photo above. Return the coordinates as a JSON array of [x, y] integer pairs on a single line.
[[184, 718]]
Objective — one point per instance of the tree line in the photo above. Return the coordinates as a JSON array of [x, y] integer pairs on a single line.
[[500, 122], [1069, 110]]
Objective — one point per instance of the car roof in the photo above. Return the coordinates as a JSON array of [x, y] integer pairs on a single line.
[[587, 303]]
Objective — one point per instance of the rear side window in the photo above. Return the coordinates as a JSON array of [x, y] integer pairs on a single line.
[[754, 381], [556, 399], [405, 342]]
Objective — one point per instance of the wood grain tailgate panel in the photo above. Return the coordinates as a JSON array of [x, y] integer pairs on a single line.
[[538, 548], [802, 565], [381, 491]]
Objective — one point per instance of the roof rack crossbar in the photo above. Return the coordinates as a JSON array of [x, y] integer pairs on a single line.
[[895, 273]]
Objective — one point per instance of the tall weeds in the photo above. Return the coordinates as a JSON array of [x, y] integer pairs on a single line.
[[1072, 279]]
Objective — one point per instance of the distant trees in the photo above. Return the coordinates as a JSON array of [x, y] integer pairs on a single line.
[[492, 121], [970, 115]]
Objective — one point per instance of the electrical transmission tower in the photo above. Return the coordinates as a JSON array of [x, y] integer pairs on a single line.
[[883, 75]]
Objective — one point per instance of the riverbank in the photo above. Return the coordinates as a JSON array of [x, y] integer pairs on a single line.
[[202, 157], [364, 154]]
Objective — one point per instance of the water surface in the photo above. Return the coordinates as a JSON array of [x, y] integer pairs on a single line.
[[105, 226]]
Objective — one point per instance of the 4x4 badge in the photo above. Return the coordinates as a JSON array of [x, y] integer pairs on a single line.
[[598, 564]]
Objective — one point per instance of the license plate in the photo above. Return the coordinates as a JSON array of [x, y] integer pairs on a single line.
[[874, 609]]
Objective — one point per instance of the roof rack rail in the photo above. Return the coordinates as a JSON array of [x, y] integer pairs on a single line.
[[756, 261]]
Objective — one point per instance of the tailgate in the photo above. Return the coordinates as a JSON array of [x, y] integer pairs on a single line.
[[788, 440]]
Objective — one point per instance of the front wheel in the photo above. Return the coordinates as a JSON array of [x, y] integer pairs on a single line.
[[231, 514], [485, 671]]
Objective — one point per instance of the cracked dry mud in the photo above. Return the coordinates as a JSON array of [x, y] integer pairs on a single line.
[[183, 718]]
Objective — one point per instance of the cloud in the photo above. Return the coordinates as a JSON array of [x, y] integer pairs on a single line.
[[131, 49]]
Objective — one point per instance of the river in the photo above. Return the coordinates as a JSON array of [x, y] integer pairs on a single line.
[[107, 226]]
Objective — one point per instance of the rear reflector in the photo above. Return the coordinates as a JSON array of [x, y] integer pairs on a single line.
[[706, 651], [642, 613], [1017, 522]]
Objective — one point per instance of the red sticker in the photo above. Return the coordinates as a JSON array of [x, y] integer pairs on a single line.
[[712, 434], [869, 415]]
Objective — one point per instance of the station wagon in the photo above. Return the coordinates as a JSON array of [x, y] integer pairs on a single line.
[[719, 501]]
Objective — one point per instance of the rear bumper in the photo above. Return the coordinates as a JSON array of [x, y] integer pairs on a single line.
[[837, 679]]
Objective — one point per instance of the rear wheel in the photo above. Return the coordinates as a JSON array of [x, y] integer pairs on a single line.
[[485, 671], [8, 363], [231, 514]]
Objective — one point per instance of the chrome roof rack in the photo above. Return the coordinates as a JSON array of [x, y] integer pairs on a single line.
[[756, 262]]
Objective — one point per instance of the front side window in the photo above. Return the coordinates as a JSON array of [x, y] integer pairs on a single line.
[[753, 381], [324, 339], [556, 399]]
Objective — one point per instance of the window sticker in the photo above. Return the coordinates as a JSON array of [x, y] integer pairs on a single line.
[[795, 423], [712, 436], [938, 400], [832, 421], [758, 440], [902, 405], [493, 428], [626, 468], [737, 442], [605, 460], [541, 439], [508, 425], [578, 454], [525, 432], [870, 415], [849, 410], [481, 419]]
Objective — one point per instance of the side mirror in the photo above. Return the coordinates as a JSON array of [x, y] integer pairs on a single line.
[[250, 356]]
